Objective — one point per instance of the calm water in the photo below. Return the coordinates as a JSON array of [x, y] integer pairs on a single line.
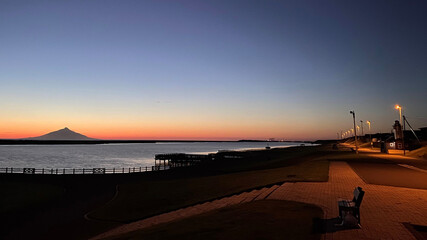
[[111, 155]]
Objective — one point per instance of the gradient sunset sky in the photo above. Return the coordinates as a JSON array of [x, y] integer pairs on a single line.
[[210, 69]]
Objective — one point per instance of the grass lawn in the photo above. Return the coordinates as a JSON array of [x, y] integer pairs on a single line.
[[17, 196], [265, 219], [383, 169], [147, 198], [390, 175], [420, 153]]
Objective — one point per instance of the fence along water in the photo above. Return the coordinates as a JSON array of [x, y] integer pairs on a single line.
[[161, 162], [61, 171]]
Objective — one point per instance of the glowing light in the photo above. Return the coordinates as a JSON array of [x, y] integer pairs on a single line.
[[400, 112]]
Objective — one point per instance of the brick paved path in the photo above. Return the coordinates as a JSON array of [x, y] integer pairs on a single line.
[[383, 208]]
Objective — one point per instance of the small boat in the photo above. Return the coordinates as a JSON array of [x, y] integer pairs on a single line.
[[268, 147]]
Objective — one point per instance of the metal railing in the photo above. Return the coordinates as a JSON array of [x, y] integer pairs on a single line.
[[70, 171], [180, 160]]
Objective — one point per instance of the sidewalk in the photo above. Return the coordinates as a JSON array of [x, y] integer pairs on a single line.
[[383, 209]]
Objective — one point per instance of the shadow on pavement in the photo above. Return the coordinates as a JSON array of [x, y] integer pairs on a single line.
[[328, 225]]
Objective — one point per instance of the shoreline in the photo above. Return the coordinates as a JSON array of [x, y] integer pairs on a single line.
[[131, 155], [79, 170], [66, 142]]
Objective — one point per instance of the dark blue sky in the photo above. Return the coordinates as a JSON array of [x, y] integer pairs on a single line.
[[211, 69]]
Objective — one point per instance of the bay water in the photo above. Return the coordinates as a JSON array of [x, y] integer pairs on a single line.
[[122, 155]]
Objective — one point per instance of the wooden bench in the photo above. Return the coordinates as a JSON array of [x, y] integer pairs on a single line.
[[352, 206]]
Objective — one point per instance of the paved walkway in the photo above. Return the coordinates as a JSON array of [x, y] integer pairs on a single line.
[[383, 209]]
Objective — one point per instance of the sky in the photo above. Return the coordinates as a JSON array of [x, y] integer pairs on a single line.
[[210, 70]]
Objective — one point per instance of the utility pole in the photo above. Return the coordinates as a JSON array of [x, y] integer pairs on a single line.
[[355, 134]]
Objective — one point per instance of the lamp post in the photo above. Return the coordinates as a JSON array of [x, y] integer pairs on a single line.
[[400, 112], [369, 129], [361, 125], [403, 135], [403, 131], [355, 134]]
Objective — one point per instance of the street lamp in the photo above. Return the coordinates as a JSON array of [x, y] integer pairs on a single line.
[[369, 129], [400, 112], [403, 130], [361, 125], [355, 134]]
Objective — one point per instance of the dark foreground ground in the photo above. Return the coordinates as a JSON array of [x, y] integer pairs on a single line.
[[81, 206], [255, 220]]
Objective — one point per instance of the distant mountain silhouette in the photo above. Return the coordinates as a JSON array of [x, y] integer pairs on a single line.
[[62, 134]]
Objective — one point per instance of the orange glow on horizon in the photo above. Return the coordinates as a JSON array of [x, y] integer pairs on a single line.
[[163, 133], [156, 128]]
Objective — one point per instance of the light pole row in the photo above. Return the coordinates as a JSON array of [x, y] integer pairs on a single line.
[[356, 128]]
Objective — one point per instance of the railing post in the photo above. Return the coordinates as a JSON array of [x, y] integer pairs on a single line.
[[139, 169], [74, 170], [42, 170], [51, 171], [11, 170], [6, 170], [114, 170], [123, 170], [129, 170], [146, 168], [133, 169], [83, 171], [63, 171]]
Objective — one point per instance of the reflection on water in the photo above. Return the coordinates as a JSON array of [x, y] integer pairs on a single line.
[[112, 155]]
